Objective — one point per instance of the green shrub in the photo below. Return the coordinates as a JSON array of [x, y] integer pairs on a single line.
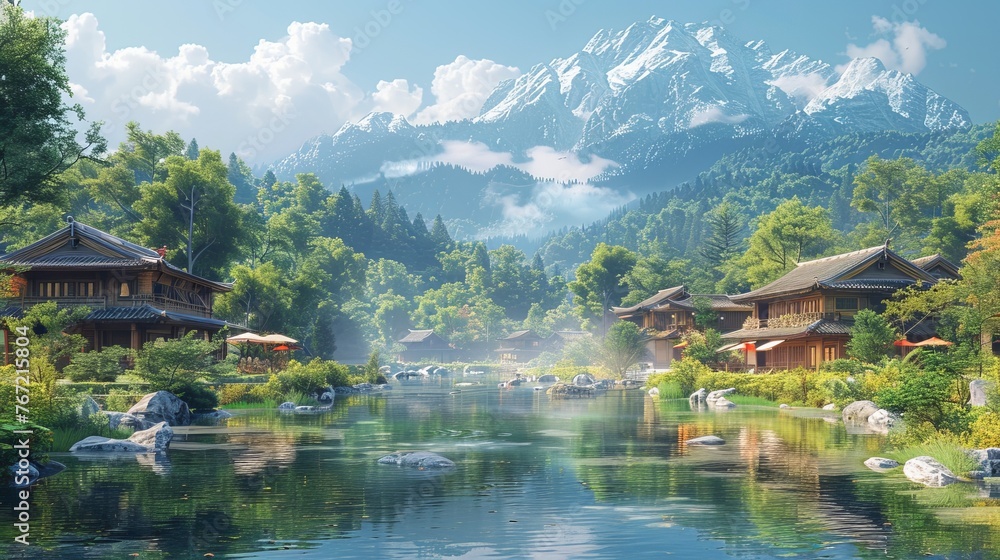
[[64, 438], [671, 390], [121, 400], [41, 443], [947, 449], [984, 430], [105, 365], [310, 378], [197, 396]]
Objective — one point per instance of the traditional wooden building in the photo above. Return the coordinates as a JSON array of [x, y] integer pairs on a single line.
[[134, 294], [521, 347], [425, 346], [938, 267], [804, 318], [668, 314]]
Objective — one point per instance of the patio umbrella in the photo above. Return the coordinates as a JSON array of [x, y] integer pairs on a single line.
[[278, 339], [246, 337], [933, 341], [904, 342], [281, 348]]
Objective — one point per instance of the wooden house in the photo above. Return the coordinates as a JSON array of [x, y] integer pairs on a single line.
[[521, 347], [669, 314], [804, 318], [425, 346], [134, 294]]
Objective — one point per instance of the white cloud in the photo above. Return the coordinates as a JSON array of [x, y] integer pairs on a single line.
[[397, 97], [262, 108], [539, 208], [906, 52], [801, 87], [713, 114], [461, 87]]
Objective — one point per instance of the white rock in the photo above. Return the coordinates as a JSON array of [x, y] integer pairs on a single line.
[[723, 402], [929, 472], [857, 412], [882, 421], [706, 440], [654, 392], [830, 406], [156, 438], [783, 405], [880, 464]]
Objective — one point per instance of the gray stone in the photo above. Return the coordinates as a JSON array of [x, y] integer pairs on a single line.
[[548, 379], [89, 407], [103, 444], [583, 380], [654, 392], [211, 418], [830, 406], [882, 421], [49, 469], [563, 391], [288, 405], [716, 395], [156, 438], [783, 405], [327, 396], [722, 402], [706, 440], [988, 459], [929, 472], [698, 396], [124, 420], [417, 459], [880, 464], [32, 474], [857, 412], [978, 391], [162, 406]]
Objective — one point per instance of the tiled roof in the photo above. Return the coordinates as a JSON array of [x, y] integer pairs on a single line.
[[656, 299], [12, 311], [935, 263], [521, 334], [830, 270], [417, 336], [149, 314], [878, 284], [720, 302], [57, 261], [821, 327]]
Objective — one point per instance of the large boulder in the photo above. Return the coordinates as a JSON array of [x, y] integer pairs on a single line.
[[417, 459], [722, 403], [654, 392], [978, 389], [549, 379], [162, 406], [988, 459], [563, 391], [714, 396], [881, 464], [156, 438], [124, 420], [929, 472], [103, 444], [857, 413], [882, 421], [287, 405], [583, 380], [210, 418], [698, 396], [706, 440]]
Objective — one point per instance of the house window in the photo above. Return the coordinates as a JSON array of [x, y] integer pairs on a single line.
[[85, 289], [846, 304], [829, 353], [125, 289]]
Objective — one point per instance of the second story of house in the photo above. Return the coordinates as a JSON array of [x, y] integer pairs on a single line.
[[82, 265], [673, 309], [832, 288], [522, 340], [424, 340]]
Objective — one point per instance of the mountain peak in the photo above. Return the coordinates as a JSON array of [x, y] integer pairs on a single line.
[[376, 122]]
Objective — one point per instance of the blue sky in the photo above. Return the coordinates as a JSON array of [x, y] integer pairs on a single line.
[[403, 43]]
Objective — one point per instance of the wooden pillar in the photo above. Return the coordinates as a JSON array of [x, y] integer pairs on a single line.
[[136, 339]]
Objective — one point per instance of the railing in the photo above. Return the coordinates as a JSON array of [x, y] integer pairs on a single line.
[[794, 320], [94, 302], [168, 304]]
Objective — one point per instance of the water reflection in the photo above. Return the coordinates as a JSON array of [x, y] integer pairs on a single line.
[[607, 477]]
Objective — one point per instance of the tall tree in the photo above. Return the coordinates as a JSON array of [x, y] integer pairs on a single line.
[[623, 347], [599, 283], [38, 137], [192, 150], [793, 232], [725, 234]]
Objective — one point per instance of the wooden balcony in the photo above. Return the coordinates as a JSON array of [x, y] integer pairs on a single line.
[[794, 320], [93, 302]]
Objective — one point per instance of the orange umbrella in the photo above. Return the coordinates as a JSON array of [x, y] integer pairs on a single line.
[[280, 348], [933, 341], [904, 342]]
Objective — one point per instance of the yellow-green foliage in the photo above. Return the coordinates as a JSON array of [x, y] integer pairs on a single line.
[[250, 393], [797, 386], [308, 378], [984, 431]]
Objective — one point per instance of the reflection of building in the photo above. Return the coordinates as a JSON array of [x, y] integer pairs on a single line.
[[134, 294], [804, 318], [520, 347], [425, 346], [669, 313]]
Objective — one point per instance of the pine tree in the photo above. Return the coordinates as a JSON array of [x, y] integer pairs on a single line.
[[192, 150]]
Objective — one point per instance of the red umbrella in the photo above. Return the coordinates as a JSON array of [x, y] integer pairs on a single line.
[[904, 342], [280, 348]]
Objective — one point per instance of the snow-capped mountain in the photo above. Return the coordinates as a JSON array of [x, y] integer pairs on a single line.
[[661, 99]]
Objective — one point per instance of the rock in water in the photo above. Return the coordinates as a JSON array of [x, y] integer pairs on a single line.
[[156, 438], [162, 406], [882, 421], [563, 391], [417, 459], [288, 405], [880, 464], [830, 406], [98, 443], [929, 472], [783, 405], [723, 402], [698, 396], [714, 396], [548, 379], [706, 440], [583, 379], [857, 413]]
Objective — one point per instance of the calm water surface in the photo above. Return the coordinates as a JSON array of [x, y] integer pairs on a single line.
[[606, 477]]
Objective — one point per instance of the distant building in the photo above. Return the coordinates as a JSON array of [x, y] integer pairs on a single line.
[[938, 267], [134, 294], [425, 346], [521, 347], [669, 314], [559, 339], [804, 318]]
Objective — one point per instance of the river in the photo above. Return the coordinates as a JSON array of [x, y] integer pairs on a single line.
[[608, 477]]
